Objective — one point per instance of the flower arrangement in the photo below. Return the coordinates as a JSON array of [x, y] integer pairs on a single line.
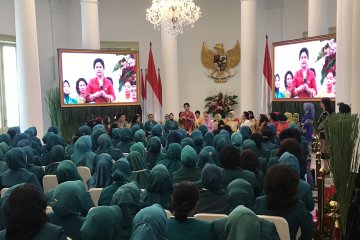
[[328, 52], [220, 103]]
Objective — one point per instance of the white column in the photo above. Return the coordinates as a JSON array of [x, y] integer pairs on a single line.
[[169, 73], [249, 76], [318, 17], [344, 50], [28, 71], [90, 24], [355, 83]]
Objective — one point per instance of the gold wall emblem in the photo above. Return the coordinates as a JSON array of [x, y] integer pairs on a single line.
[[220, 63]]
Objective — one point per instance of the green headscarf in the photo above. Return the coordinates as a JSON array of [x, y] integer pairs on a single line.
[[85, 129], [198, 140], [172, 160], [240, 192], [209, 139], [116, 134], [4, 148], [102, 223], [121, 170], [290, 160], [205, 156], [156, 130], [242, 224], [101, 176], [159, 188], [139, 147], [67, 171], [219, 142], [188, 141], [125, 140], [127, 197], [57, 153], [95, 137], [203, 129], [236, 139], [211, 177], [105, 146], [16, 158], [5, 138], [188, 157], [139, 136], [83, 156], [140, 174], [153, 155], [150, 224], [67, 199]]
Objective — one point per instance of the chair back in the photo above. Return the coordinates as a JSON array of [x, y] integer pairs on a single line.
[[209, 217], [95, 195], [49, 182], [281, 224], [3, 191], [168, 213], [85, 174]]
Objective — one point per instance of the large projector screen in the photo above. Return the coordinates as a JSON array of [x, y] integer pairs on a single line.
[[98, 78], [304, 69]]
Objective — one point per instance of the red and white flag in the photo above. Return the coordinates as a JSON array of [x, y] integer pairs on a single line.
[[159, 92], [142, 95], [152, 101], [266, 82]]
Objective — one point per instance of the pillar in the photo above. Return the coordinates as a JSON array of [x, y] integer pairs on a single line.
[[90, 24]]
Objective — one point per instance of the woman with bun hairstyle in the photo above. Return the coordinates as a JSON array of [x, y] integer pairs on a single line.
[[185, 199]]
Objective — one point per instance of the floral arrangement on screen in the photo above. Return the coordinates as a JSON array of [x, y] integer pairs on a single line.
[[329, 53], [127, 66], [220, 103]]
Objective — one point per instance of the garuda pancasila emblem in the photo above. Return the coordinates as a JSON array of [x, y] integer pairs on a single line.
[[220, 63]]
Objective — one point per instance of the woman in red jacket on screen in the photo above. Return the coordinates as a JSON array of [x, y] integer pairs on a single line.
[[100, 89], [304, 83]]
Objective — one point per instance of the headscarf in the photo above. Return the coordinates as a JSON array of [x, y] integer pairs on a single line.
[[240, 192], [159, 188], [4, 148], [289, 117], [226, 134], [101, 176], [296, 117], [138, 147], [211, 177], [53, 129], [206, 155], [5, 138], [290, 160], [127, 197], [57, 153], [140, 174], [220, 142], [102, 223], [198, 140], [19, 137], [85, 129], [105, 146], [245, 132], [188, 141], [182, 132], [309, 108], [121, 170], [116, 134], [150, 224], [188, 157], [236, 139], [67, 171], [95, 137], [242, 224], [125, 140], [173, 137], [203, 129], [83, 156], [16, 158], [153, 154], [209, 139], [172, 161], [156, 130], [66, 199], [139, 136]]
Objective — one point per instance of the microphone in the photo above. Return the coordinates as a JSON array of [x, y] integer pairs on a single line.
[[304, 80], [101, 86]]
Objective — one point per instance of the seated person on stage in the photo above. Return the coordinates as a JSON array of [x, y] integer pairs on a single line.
[[188, 118], [232, 121], [149, 124]]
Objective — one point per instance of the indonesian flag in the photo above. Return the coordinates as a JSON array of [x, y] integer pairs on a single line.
[[152, 93], [159, 93], [266, 82], [142, 95]]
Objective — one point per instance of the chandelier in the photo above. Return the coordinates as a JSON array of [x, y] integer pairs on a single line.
[[173, 15]]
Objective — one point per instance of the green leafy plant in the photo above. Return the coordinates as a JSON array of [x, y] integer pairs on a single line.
[[342, 132], [220, 103], [52, 101]]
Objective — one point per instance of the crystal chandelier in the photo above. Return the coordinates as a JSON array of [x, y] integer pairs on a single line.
[[173, 15]]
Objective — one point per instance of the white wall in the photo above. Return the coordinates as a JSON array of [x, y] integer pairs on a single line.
[[59, 26]]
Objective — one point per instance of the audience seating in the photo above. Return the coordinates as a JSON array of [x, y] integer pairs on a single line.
[[209, 217], [95, 195], [85, 174], [3, 191], [49, 182], [281, 224], [48, 210], [126, 154], [168, 213]]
